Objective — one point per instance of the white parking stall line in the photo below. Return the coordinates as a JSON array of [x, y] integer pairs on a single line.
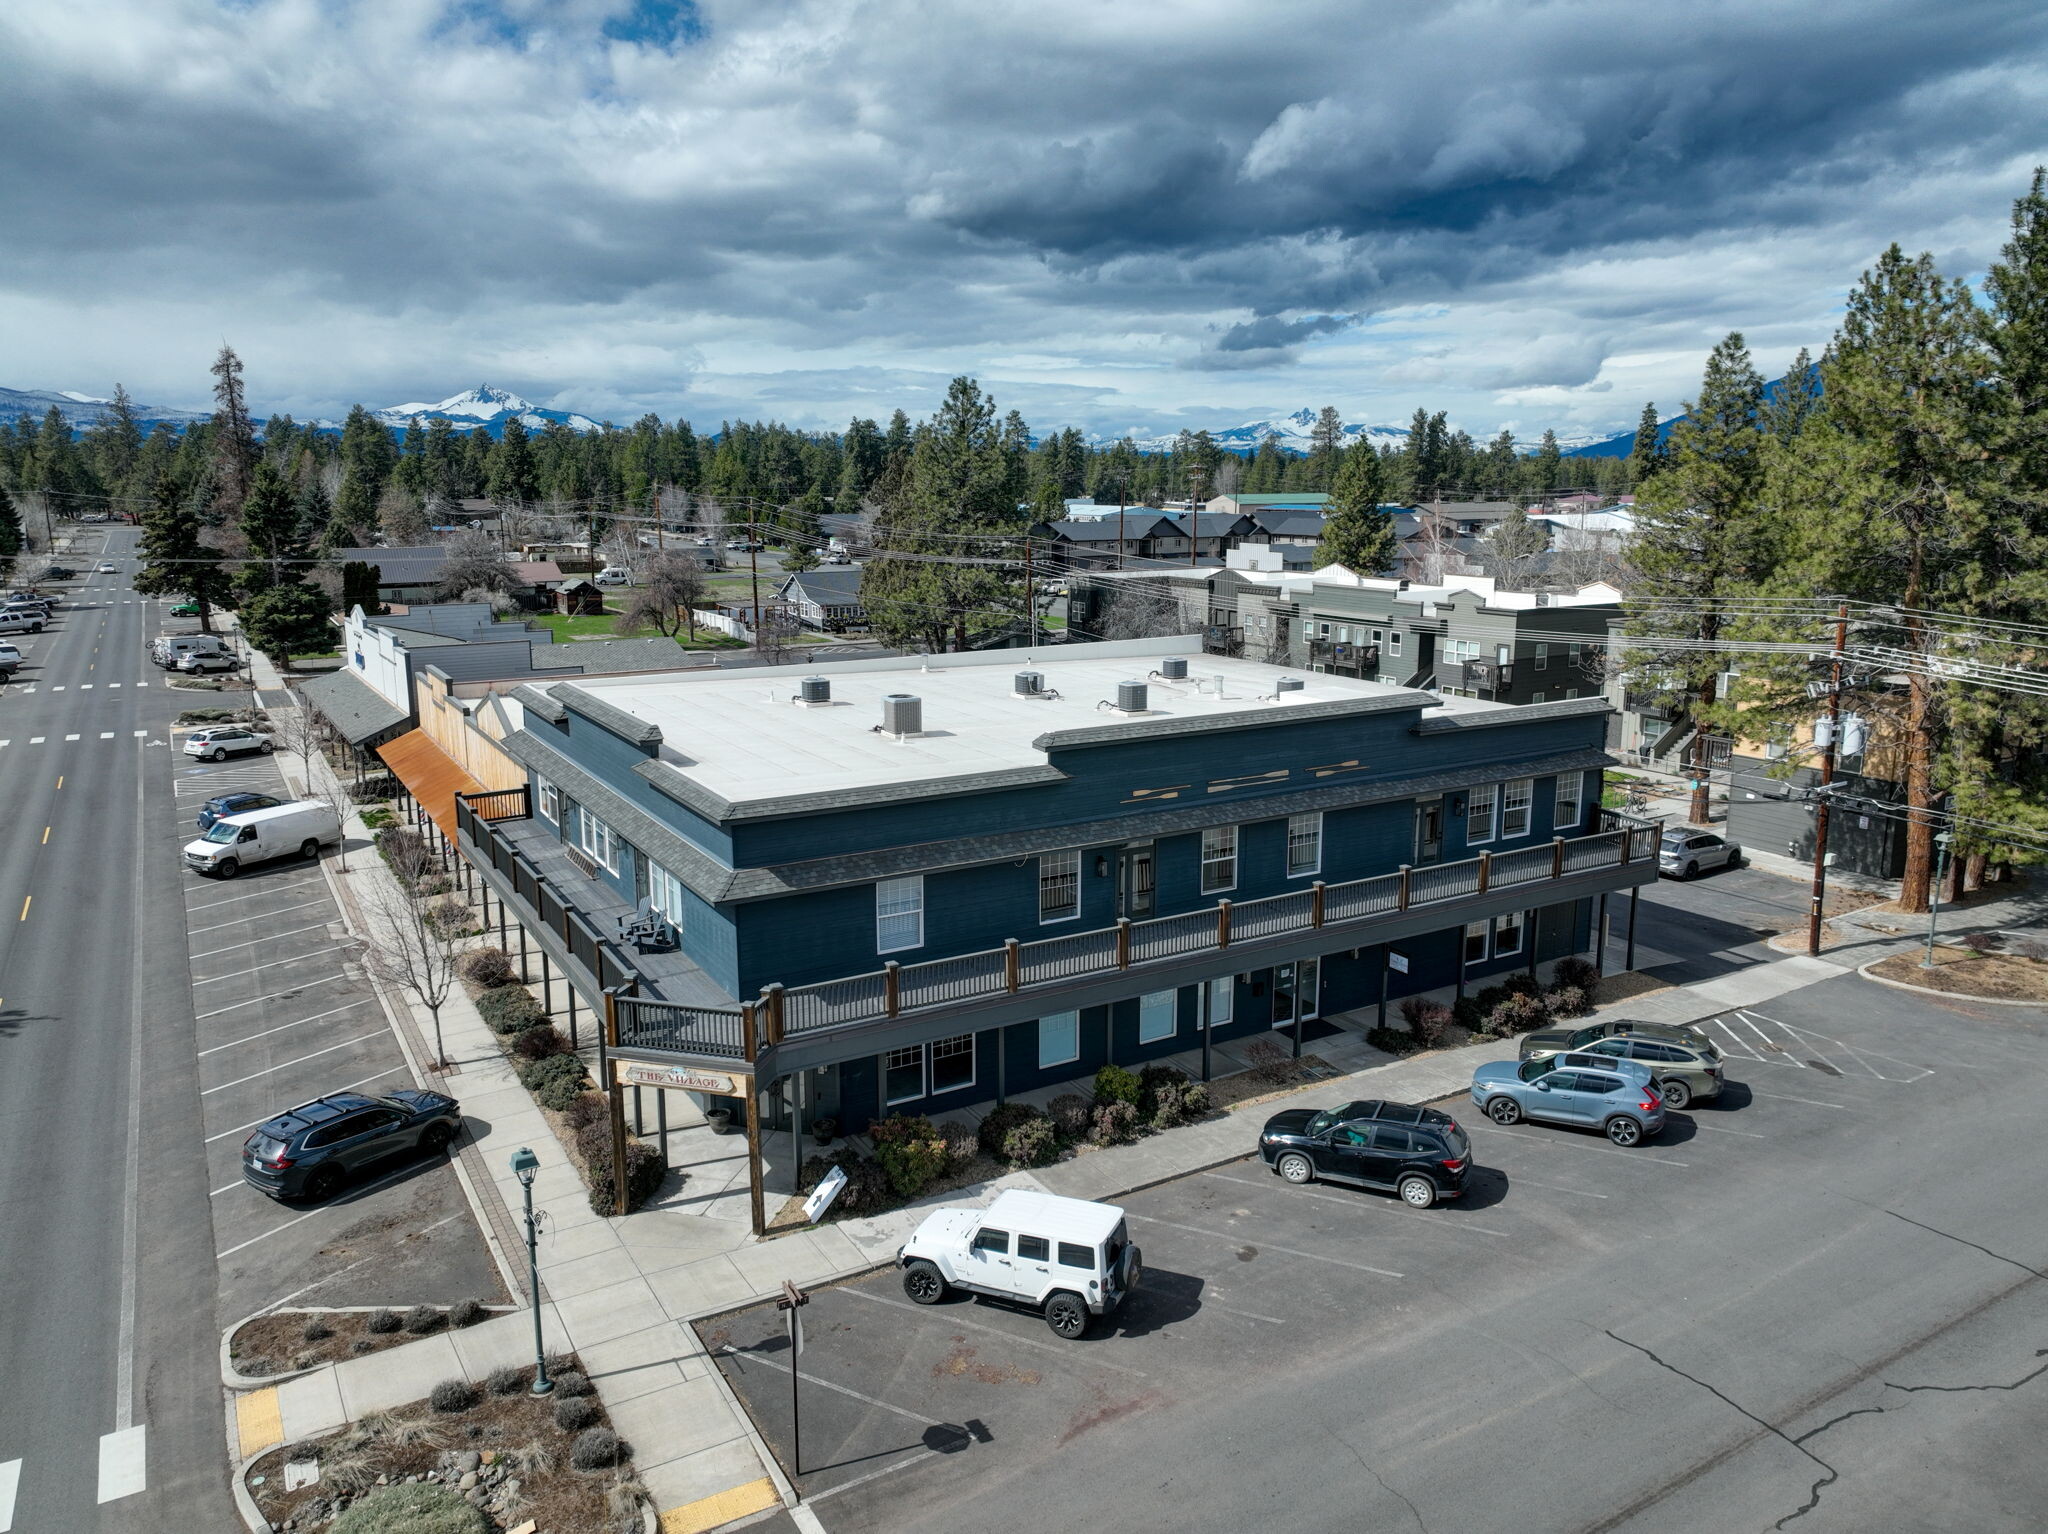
[[1370, 1205], [1811, 1102], [10, 1481], [273, 964], [368, 1187], [1519, 1181], [242, 1129], [278, 911], [858, 1293], [747, 1356], [271, 996], [1787, 1057], [1267, 1246], [1716, 1129], [280, 1028], [124, 1463], [256, 894], [113, 684], [1736, 1044], [227, 1187], [254, 942], [282, 1065], [1569, 1144]]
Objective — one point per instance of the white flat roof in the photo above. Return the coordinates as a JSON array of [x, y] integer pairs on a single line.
[[738, 734]]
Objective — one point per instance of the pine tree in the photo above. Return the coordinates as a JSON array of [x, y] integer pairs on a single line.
[[1050, 504], [10, 533], [289, 617], [1547, 461], [1693, 529], [117, 443], [359, 587], [174, 559], [1503, 465], [270, 523], [1645, 453], [1326, 443], [234, 437], [511, 480], [1357, 534]]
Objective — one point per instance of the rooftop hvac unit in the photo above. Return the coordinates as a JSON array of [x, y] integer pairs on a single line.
[[1130, 697], [1029, 684], [902, 714], [1173, 669], [815, 689], [1288, 684]]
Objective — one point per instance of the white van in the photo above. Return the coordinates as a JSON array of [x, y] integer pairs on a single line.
[[609, 576], [1067, 1258], [171, 648], [300, 828]]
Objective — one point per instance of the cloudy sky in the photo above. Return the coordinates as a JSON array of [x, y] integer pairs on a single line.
[[1134, 215]]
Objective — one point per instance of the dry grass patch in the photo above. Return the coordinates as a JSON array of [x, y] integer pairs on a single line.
[[284, 1340], [1965, 972]]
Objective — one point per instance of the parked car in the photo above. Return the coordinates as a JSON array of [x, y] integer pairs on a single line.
[[1680, 1074], [217, 742], [185, 610], [311, 1150], [106, 567], [1067, 1258], [10, 659], [838, 557], [1689, 853], [20, 621], [59, 573], [233, 804], [196, 662], [611, 577], [233, 842], [1551, 1041], [1419, 1153], [1615, 1098], [746, 545]]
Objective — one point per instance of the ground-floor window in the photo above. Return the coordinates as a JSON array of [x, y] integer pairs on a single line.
[[1155, 1016], [945, 1065], [1059, 1039], [1222, 1000], [953, 1063], [903, 1075], [1475, 942], [1507, 934]]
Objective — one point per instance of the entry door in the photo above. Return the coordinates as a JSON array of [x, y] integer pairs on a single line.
[[1429, 831], [1134, 882], [1295, 988]]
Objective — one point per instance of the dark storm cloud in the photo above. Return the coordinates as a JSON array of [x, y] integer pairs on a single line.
[[612, 194]]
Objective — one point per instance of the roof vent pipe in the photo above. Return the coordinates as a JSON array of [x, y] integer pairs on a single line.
[[814, 689], [902, 715]]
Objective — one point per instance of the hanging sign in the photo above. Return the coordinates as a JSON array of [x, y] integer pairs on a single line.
[[684, 1077]]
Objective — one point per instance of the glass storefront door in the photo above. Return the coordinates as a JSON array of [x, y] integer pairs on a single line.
[[1296, 990]]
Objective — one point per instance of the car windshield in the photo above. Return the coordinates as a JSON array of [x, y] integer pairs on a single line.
[[1531, 1069], [223, 832], [1455, 1138]]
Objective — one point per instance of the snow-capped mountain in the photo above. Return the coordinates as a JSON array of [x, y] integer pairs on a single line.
[[486, 407], [1296, 433], [84, 410]]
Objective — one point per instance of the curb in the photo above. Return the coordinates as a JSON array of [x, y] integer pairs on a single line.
[[1926, 990], [234, 1379]]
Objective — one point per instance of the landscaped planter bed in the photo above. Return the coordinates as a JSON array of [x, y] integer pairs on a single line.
[[278, 1341]]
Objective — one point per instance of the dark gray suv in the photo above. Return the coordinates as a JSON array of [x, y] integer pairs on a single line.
[[311, 1150]]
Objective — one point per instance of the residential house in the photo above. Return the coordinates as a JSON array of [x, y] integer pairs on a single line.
[[826, 600]]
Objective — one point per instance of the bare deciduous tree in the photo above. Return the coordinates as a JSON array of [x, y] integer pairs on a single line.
[[299, 732], [669, 600], [474, 561], [1432, 553], [1146, 609], [414, 929]]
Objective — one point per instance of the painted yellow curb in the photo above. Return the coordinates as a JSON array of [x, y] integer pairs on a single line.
[[716, 1511], [258, 1421]]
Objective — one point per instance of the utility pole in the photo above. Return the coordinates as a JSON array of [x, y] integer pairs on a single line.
[[754, 576], [1827, 776], [1030, 609], [1196, 474], [1123, 492]]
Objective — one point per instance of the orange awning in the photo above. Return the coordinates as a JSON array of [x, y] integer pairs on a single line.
[[430, 775]]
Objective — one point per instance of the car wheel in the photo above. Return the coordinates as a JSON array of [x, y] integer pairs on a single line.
[[1066, 1315], [266, 748], [1623, 1130], [436, 1139], [227, 868], [924, 1283], [1297, 1169], [1675, 1092], [1417, 1192], [324, 1183], [1504, 1110], [219, 754], [1734, 857], [1692, 870], [309, 849]]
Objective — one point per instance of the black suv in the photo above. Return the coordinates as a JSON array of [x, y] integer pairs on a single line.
[[1419, 1153], [311, 1150]]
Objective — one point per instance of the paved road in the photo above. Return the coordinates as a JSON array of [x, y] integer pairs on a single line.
[[1816, 1306]]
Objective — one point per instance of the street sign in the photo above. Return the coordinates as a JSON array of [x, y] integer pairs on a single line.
[[822, 1196], [685, 1077], [1397, 962]]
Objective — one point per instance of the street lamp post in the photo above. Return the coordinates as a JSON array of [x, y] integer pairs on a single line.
[[1941, 841], [524, 1164]]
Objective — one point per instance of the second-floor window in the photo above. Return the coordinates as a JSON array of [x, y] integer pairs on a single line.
[[1542, 660], [1516, 795], [1304, 845], [899, 914], [549, 798], [1570, 785], [600, 843], [1458, 651], [1219, 859], [1393, 641], [1059, 886], [665, 893], [1479, 806]]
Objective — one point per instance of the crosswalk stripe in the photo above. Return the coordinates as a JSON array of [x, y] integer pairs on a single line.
[[85, 687], [10, 1478], [140, 733], [124, 1467], [71, 737], [58, 688], [35, 740]]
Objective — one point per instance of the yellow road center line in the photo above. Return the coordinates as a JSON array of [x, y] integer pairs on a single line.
[[46, 836], [60, 780], [25, 899]]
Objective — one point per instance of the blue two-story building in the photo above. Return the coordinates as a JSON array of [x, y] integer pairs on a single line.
[[911, 886]]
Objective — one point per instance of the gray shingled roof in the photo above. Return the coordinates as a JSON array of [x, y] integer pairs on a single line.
[[828, 588], [595, 655], [351, 705], [418, 564]]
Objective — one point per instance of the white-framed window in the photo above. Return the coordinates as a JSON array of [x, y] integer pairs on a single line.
[[1343, 634], [1475, 942], [1379, 636], [903, 1075], [1059, 1039], [1507, 934], [1458, 651], [1304, 845], [899, 914], [600, 843], [1222, 1000], [952, 1063], [1479, 804], [1542, 659], [1571, 692], [1156, 1016], [1219, 859], [1393, 641], [1571, 788], [1535, 697], [1059, 886], [1516, 796], [665, 893], [548, 799], [1502, 654]]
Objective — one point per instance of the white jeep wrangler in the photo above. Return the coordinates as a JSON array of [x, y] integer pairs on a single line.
[[1065, 1257]]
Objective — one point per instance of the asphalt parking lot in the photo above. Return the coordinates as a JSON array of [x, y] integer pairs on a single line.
[[1816, 1302], [282, 1014]]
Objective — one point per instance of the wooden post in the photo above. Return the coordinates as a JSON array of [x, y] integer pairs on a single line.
[[771, 998], [1123, 942], [1626, 837], [1315, 910], [750, 1041], [1010, 964], [1402, 904], [618, 1103], [1557, 857], [892, 991], [1222, 924], [1485, 871]]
